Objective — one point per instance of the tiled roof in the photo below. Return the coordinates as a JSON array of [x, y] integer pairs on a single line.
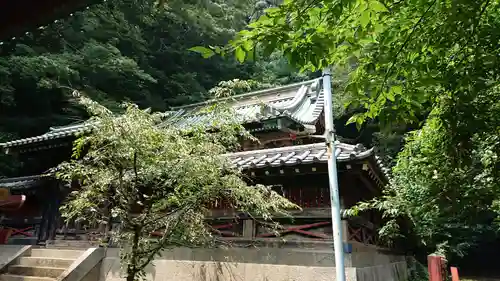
[[294, 155], [53, 133], [308, 154], [301, 102], [254, 159], [20, 182]]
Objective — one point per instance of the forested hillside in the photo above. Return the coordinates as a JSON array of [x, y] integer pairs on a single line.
[[123, 50]]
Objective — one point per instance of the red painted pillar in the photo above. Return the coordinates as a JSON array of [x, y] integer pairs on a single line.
[[436, 266], [4, 235], [454, 274]]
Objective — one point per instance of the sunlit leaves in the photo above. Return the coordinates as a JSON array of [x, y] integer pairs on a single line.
[[204, 52], [240, 54], [409, 59], [377, 6], [402, 43], [445, 181], [149, 175]]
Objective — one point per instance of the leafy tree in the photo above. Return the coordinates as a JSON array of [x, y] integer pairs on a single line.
[[403, 54], [446, 178], [147, 175], [235, 87], [427, 62], [123, 51]]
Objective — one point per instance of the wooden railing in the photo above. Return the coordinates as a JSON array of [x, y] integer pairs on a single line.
[[309, 224], [77, 231]]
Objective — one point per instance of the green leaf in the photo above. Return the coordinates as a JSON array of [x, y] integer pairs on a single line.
[[352, 119], [203, 51], [396, 90], [359, 123], [357, 118], [390, 96], [251, 54], [240, 54], [378, 7], [248, 45], [364, 18], [272, 10]]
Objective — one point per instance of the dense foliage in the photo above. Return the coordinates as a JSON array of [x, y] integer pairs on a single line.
[[123, 51], [115, 51], [145, 176], [446, 180], [431, 63]]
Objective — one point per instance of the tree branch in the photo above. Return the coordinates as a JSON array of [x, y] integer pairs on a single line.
[[405, 43]]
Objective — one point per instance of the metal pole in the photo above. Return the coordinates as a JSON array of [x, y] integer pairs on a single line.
[[332, 176]]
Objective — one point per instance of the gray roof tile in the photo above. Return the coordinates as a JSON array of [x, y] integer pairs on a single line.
[[21, 182], [295, 155], [53, 133]]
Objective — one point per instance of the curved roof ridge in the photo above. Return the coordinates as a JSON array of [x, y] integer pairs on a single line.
[[250, 94], [310, 114], [295, 101]]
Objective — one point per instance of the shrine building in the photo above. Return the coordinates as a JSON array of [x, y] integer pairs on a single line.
[[289, 156]]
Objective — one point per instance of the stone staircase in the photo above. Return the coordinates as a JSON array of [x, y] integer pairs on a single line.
[[41, 265]]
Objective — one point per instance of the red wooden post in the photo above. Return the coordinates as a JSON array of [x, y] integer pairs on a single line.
[[454, 274], [4, 235], [435, 266]]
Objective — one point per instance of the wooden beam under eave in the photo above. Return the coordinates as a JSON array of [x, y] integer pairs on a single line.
[[375, 174], [290, 170], [374, 190]]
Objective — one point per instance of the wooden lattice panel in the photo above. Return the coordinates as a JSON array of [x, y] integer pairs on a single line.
[[78, 231], [362, 234], [300, 229], [228, 228]]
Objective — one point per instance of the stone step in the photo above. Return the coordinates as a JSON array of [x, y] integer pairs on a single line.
[[9, 277], [56, 253], [52, 272], [48, 262], [71, 244]]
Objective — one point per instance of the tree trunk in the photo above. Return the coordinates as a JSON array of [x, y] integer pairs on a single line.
[[131, 276], [132, 266]]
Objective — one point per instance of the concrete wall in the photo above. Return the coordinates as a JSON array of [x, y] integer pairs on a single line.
[[260, 264], [397, 271], [365, 263], [368, 255], [171, 270], [7, 251]]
